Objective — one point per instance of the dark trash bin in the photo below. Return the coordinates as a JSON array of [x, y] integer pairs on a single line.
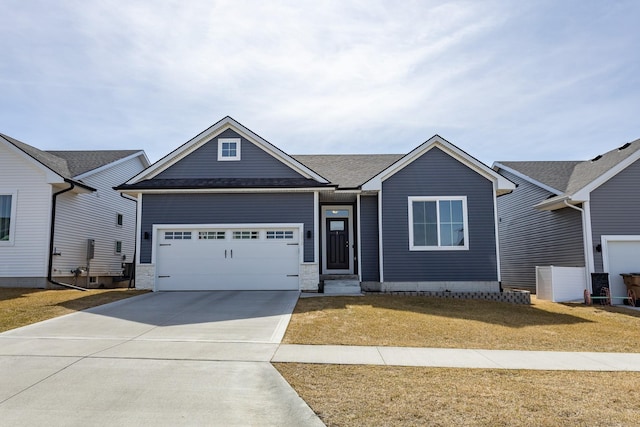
[[599, 281]]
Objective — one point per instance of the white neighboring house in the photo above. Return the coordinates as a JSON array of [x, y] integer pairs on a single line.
[[60, 219]]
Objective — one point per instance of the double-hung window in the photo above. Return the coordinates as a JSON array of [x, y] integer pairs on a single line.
[[438, 223], [7, 217]]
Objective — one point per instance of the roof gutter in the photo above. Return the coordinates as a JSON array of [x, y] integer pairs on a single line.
[[54, 198]]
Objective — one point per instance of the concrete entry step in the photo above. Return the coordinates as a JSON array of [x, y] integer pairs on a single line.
[[338, 277], [342, 287]]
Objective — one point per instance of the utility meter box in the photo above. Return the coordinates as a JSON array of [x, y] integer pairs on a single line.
[[91, 248]]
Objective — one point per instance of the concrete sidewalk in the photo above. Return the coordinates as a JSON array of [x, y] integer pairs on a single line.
[[458, 358]]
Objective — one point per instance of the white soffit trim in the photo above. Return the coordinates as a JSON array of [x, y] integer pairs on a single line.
[[527, 178], [585, 192], [209, 134], [503, 184]]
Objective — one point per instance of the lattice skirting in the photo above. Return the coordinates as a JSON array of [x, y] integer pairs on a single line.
[[513, 297]]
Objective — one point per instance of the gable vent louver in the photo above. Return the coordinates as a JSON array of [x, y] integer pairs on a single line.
[[624, 146]]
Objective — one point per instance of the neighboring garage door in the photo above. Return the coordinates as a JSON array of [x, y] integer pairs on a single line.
[[622, 256], [210, 258]]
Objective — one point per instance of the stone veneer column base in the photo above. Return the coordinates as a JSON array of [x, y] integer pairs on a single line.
[[145, 276], [309, 276]]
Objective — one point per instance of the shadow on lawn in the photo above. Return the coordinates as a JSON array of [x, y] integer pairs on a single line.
[[497, 313], [7, 294]]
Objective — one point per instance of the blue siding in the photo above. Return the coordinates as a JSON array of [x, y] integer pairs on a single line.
[[437, 174], [254, 163], [615, 208], [530, 237], [226, 209], [369, 238]]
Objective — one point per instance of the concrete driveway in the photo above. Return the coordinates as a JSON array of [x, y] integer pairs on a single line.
[[175, 358]]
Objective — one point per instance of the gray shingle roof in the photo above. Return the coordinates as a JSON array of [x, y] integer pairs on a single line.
[[348, 170], [55, 163], [554, 174], [571, 176], [80, 162], [179, 183], [69, 164]]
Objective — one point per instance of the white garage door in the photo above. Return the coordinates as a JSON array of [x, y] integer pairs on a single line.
[[623, 256], [209, 258]]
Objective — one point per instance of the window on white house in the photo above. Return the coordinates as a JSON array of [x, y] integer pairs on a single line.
[[118, 247], [7, 212], [438, 223], [119, 219], [228, 149]]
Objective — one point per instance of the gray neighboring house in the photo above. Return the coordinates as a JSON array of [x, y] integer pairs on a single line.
[[53, 203], [229, 210], [572, 214]]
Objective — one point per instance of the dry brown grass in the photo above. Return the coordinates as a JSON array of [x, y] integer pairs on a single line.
[[409, 321], [408, 396], [21, 307]]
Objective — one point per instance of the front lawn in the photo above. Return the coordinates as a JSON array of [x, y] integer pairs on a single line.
[[23, 306], [409, 396], [351, 395], [410, 321]]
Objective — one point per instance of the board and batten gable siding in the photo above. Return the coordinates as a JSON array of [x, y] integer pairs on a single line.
[[227, 208], [369, 251], [615, 208], [436, 173], [93, 216], [203, 163], [530, 237], [27, 256]]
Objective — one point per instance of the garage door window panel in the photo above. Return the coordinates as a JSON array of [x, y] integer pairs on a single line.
[[177, 235], [246, 235], [211, 235]]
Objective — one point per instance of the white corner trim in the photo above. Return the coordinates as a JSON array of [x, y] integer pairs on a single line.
[[358, 237], [138, 228], [316, 226], [380, 247], [588, 234], [496, 220]]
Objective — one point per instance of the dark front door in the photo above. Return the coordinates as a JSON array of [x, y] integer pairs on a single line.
[[337, 243]]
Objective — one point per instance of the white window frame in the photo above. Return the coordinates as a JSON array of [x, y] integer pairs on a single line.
[[437, 200], [223, 158], [115, 247], [119, 216], [12, 217]]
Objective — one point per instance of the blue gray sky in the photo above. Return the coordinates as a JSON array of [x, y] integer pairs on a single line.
[[503, 80]]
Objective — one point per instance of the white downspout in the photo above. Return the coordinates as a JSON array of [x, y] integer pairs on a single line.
[[586, 241]]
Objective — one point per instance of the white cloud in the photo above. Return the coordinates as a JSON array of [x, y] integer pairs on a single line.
[[339, 76]]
